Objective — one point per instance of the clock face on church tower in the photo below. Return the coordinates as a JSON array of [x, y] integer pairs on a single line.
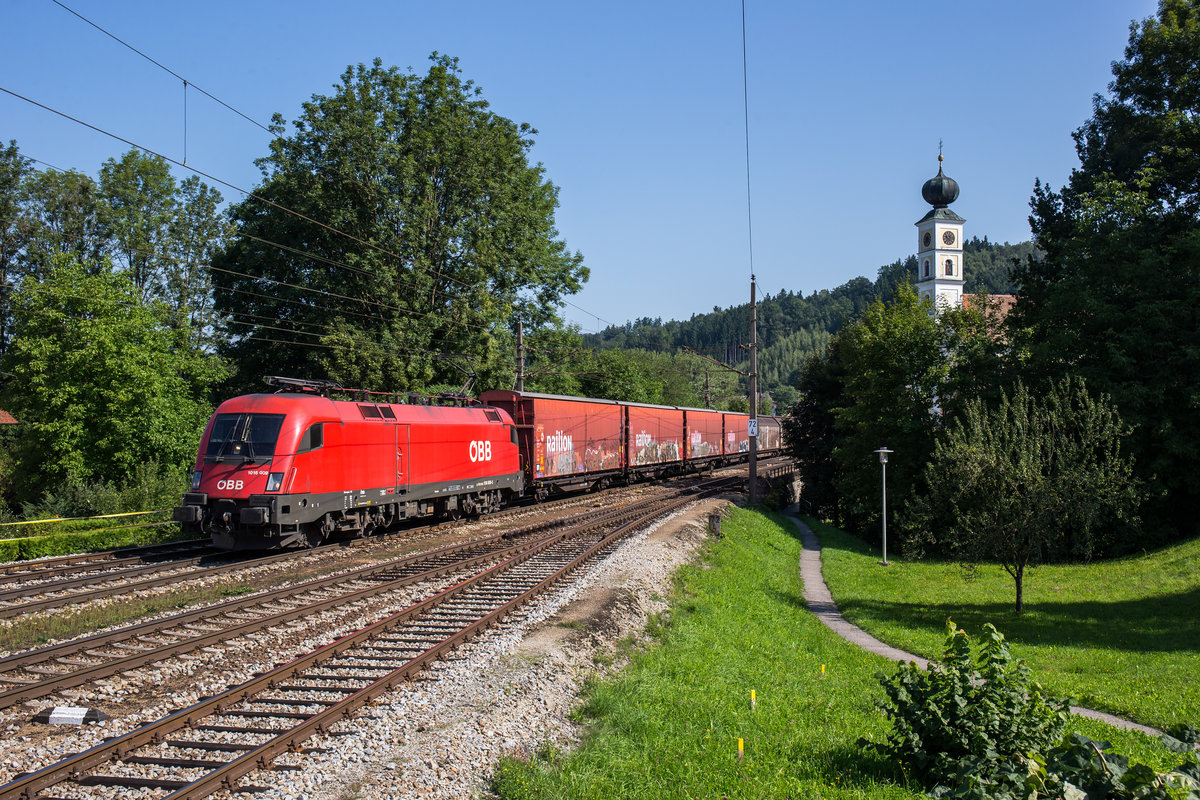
[[948, 237], [927, 239]]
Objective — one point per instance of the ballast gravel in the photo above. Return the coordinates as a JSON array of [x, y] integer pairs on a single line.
[[507, 693]]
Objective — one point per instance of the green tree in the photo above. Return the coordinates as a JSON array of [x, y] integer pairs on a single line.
[[810, 430], [1114, 298], [136, 213], [14, 171], [196, 232], [979, 362], [62, 215], [98, 380], [444, 235], [1034, 478], [621, 375], [551, 358], [893, 372]]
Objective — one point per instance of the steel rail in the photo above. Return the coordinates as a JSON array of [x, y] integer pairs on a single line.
[[13, 571], [213, 615], [226, 776], [17, 609]]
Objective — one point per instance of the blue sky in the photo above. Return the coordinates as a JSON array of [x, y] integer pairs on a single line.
[[639, 109]]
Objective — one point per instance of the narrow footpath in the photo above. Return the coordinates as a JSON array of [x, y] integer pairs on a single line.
[[820, 602]]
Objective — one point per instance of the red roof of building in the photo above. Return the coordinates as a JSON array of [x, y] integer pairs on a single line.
[[1003, 303], [7, 418]]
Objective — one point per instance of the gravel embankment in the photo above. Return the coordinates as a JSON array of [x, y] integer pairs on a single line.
[[509, 692]]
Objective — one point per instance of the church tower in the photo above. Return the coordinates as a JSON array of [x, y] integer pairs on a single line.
[[940, 244]]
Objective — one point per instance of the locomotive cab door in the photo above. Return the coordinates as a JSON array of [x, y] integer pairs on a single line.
[[402, 451]]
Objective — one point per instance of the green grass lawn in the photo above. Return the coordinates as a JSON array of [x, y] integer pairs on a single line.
[[668, 725], [1122, 636]]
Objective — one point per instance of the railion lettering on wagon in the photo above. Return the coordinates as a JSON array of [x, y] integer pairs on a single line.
[[559, 442]]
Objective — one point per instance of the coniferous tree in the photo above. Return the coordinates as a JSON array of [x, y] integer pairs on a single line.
[[1114, 300]]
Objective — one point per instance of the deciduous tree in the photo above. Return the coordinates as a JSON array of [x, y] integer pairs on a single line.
[[1034, 477], [893, 372], [428, 231], [100, 382]]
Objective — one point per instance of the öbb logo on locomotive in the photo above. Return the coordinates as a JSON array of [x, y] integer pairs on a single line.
[[480, 450], [310, 461]]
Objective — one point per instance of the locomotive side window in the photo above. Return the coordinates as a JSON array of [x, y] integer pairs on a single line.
[[512, 433], [387, 412], [313, 438], [370, 412], [246, 436]]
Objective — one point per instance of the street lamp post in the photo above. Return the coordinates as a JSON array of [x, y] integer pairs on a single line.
[[883, 456]]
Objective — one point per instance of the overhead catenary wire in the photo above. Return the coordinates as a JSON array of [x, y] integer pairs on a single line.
[[228, 338], [375, 303], [252, 195], [746, 117], [166, 69], [399, 258]]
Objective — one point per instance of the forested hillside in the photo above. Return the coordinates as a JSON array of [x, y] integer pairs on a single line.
[[792, 326]]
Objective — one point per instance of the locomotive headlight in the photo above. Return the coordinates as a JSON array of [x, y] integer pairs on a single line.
[[274, 481], [196, 475]]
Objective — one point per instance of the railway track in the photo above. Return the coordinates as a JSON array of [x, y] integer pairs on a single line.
[[87, 588], [212, 744], [42, 568], [44, 671], [109, 574]]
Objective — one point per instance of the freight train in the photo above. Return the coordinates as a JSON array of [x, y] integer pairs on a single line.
[[295, 468]]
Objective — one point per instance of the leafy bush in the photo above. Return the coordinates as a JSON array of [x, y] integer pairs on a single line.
[[150, 487], [963, 719], [1181, 738], [982, 730], [1080, 769], [66, 543]]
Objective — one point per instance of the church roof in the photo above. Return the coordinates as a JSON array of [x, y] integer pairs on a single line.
[[941, 213], [1002, 303]]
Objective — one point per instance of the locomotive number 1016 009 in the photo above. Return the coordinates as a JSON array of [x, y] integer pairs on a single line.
[[480, 451]]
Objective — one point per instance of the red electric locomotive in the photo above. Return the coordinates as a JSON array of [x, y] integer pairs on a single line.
[[293, 468]]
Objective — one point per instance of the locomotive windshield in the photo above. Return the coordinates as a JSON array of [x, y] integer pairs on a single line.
[[245, 436]]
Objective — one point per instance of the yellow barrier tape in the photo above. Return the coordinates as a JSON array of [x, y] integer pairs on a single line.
[[73, 519]]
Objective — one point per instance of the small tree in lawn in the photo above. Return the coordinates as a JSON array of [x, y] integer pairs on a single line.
[[1037, 477]]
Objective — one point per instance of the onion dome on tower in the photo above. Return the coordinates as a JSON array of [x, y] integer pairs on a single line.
[[940, 244], [941, 190]]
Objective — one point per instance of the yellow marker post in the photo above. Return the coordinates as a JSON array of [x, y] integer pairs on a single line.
[[753, 702], [741, 750], [822, 669]]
